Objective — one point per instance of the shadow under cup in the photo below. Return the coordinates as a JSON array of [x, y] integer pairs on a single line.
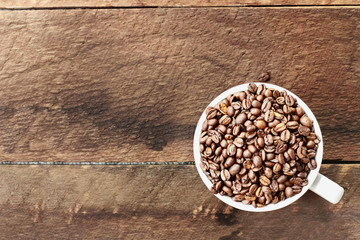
[[270, 207]]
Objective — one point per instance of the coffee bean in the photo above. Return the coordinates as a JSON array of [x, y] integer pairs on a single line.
[[305, 131], [252, 87], [285, 135], [282, 179], [264, 180], [225, 175], [236, 130], [252, 148], [273, 123], [269, 139], [230, 111], [234, 169], [289, 192], [281, 147], [268, 172], [264, 77], [260, 124], [312, 164], [247, 154], [307, 122], [266, 106], [229, 162], [253, 189], [310, 144], [277, 168], [280, 100], [238, 198], [218, 186], [231, 150], [211, 112], [274, 186], [224, 120], [257, 161], [289, 100], [280, 127], [227, 190], [296, 189]]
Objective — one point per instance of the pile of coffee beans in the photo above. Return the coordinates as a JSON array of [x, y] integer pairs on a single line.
[[258, 146]]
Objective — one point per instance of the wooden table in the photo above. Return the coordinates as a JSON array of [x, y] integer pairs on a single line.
[[100, 99]]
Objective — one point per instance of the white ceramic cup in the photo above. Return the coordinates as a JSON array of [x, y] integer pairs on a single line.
[[318, 183]]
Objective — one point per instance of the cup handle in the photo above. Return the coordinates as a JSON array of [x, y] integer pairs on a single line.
[[327, 189]]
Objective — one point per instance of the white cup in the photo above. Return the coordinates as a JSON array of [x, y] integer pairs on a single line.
[[318, 183]]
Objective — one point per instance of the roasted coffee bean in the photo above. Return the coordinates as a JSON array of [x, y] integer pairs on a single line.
[[260, 124], [211, 113], [285, 136], [252, 87], [296, 189], [238, 198], [269, 139], [269, 116], [258, 137], [231, 150], [218, 186], [225, 120], [264, 180], [264, 77], [280, 127], [307, 122], [280, 100], [230, 111], [277, 168], [266, 106], [289, 100], [253, 189], [229, 162], [281, 147], [239, 142], [269, 148], [310, 144], [274, 186], [282, 187], [301, 152], [304, 131], [312, 164], [236, 130], [252, 148], [247, 154], [291, 153], [268, 172], [282, 179], [260, 141], [257, 161], [227, 190], [225, 175], [234, 169], [289, 192]]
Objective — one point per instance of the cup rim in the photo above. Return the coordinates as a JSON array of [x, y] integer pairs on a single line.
[[270, 207]]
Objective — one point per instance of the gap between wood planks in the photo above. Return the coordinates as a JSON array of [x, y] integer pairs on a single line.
[[190, 7], [141, 163]]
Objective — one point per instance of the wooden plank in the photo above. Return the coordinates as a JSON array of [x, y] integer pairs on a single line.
[[158, 202], [130, 84], [166, 3]]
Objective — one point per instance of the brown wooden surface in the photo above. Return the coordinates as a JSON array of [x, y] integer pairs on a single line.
[[164, 3], [159, 202], [130, 84]]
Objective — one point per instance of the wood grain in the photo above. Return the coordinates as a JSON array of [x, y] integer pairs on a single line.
[[158, 202], [165, 3], [130, 84]]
